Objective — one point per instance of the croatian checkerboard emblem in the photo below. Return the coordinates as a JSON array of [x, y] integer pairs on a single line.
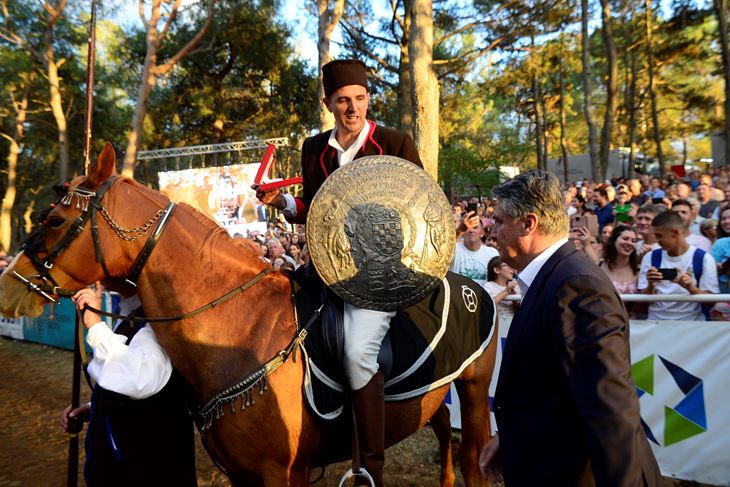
[[380, 233], [470, 298]]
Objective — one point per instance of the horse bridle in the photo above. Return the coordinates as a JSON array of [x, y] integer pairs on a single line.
[[89, 202]]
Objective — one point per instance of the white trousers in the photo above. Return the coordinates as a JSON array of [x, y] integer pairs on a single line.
[[364, 333]]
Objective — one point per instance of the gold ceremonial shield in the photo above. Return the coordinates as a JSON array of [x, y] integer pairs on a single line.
[[380, 233]]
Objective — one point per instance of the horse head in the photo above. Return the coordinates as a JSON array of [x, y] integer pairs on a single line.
[[61, 257]]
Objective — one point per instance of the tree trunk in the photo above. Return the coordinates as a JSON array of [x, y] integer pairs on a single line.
[[6, 209], [536, 95], [632, 108], [146, 83], [612, 75], [587, 94], [721, 13], [328, 20], [151, 70], [563, 144], [405, 99], [55, 10], [652, 88], [424, 85], [546, 142]]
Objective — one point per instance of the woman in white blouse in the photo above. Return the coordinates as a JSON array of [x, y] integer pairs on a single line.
[[501, 283]]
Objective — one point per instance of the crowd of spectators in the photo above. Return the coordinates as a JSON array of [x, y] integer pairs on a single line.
[[653, 235], [282, 246], [634, 244]]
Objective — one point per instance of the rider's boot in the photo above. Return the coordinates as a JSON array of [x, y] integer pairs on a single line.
[[369, 405]]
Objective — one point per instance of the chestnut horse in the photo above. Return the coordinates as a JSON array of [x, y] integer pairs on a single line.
[[274, 441]]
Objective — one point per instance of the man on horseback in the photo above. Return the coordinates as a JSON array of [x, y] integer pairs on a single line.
[[347, 98]]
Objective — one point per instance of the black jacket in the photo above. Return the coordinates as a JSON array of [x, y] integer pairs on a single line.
[[319, 159], [567, 410]]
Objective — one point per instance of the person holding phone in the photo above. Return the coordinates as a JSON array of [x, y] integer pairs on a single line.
[[676, 268]]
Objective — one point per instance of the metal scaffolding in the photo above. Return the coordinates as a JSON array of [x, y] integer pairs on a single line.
[[211, 148]]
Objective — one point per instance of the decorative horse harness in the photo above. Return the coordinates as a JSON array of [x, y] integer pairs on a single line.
[[89, 202]]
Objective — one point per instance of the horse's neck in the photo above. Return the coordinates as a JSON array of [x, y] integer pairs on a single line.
[[193, 265]]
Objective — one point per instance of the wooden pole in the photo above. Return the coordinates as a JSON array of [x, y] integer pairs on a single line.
[[89, 106], [77, 426]]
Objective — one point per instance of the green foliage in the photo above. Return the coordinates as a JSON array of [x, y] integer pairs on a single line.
[[242, 82]]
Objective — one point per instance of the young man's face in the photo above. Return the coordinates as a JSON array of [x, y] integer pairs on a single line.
[[667, 238], [349, 106]]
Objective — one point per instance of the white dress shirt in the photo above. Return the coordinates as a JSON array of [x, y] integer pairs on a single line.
[[138, 370], [343, 156], [529, 273]]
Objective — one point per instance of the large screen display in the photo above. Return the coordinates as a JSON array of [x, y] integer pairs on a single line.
[[223, 193]]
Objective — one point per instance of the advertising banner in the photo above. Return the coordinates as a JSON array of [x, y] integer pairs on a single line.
[[11, 327], [682, 375]]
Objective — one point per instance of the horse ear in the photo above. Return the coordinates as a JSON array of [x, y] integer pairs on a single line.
[[104, 166]]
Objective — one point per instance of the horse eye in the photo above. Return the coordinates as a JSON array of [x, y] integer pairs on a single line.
[[55, 222]]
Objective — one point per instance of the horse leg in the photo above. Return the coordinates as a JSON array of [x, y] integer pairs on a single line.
[[473, 389], [441, 426]]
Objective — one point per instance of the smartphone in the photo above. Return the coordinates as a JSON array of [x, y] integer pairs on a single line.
[[588, 221], [668, 274], [471, 207]]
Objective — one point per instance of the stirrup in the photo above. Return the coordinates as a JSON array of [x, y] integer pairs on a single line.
[[362, 473]]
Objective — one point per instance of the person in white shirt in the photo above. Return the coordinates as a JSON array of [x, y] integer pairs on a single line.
[[471, 256], [140, 430], [501, 283], [677, 254], [644, 216]]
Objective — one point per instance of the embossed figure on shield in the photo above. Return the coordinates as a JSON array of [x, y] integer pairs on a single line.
[[339, 254], [435, 235]]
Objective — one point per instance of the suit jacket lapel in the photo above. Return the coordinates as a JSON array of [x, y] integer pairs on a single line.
[[523, 316]]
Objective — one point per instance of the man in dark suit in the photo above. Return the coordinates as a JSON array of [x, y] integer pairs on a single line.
[[347, 98], [567, 410]]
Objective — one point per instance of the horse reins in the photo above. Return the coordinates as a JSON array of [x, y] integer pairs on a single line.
[[89, 203]]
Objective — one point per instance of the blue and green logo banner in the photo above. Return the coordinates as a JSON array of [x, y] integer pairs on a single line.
[[682, 375]]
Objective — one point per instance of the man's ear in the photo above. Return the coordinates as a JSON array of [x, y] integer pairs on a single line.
[[326, 102], [529, 223]]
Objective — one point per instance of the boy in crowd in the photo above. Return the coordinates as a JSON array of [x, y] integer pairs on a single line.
[[676, 268]]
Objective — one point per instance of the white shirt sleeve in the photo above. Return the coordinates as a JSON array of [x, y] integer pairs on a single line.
[[643, 269], [708, 280], [291, 206], [138, 370]]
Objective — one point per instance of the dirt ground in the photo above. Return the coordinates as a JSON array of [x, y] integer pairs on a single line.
[[35, 387]]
